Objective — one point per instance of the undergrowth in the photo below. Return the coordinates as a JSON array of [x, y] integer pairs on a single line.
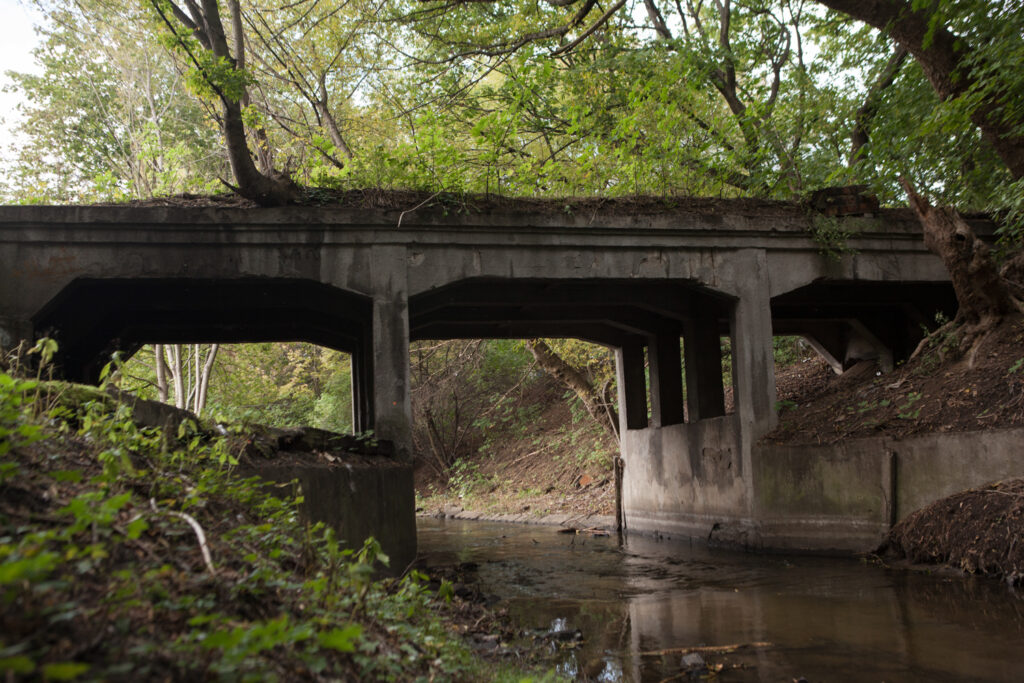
[[129, 553]]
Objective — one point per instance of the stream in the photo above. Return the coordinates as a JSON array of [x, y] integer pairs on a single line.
[[642, 605]]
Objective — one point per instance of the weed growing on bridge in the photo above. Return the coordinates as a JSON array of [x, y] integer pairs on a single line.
[[126, 552], [830, 236]]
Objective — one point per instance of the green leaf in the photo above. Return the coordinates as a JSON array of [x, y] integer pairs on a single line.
[[341, 639], [19, 664], [64, 671], [73, 476], [136, 527]]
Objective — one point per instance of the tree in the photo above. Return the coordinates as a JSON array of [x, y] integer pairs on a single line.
[[597, 401], [109, 117], [971, 66], [183, 374], [974, 65], [199, 35]]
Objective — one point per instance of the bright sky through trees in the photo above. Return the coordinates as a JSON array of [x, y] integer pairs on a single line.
[[17, 38]]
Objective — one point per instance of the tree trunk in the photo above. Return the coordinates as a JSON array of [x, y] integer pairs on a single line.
[[204, 379], [161, 373], [982, 295], [177, 376], [941, 55], [594, 403], [269, 189], [265, 190]]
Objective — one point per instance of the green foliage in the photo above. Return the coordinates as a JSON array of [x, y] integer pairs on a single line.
[[469, 104], [907, 411], [15, 430], [788, 350], [830, 236], [117, 552], [108, 118]]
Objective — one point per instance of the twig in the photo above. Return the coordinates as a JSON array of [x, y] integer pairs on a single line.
[[200, 536], [711, 649], [425, 201]]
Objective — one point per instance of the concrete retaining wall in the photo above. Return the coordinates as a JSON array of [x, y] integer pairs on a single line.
[[358, 499], [682, 479], [841, 498]]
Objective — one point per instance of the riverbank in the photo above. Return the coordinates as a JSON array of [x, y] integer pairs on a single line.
[[131, 552], [585, 522], [976, 532]]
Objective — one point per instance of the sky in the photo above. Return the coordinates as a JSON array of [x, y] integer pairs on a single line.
[[16, 42]]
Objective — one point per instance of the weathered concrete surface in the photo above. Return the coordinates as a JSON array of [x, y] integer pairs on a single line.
[[358, 498], [841, 498], [824, 498], [681, 480]]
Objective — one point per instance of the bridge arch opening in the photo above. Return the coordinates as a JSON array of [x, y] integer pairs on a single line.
[[847, 322], [661, 382], [93, 317]]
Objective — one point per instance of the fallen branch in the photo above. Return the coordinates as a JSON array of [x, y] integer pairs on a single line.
[[200, 535], [705, 649]]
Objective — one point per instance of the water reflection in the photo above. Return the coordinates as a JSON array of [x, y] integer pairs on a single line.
[[642, 605]]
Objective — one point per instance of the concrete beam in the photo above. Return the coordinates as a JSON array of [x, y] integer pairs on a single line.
[[587, 331]]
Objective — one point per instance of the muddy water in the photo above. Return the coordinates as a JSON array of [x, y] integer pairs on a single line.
[[640, 605]]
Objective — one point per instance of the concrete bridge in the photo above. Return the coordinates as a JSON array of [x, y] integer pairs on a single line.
[[370, 281]]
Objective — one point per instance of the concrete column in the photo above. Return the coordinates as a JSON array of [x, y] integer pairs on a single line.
[[705, 396], [392, 408], [842, 343], [629, 371], [753, 365], [362, 389], [666, 373]]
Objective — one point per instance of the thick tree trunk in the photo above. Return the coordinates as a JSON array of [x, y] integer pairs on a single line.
[[982, 295], [595, 404], [941, 55], [268, 189]]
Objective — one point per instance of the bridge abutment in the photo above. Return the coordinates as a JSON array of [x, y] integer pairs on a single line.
[[696, 478]]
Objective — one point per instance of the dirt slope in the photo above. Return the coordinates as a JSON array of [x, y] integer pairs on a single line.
[[551, 462], [924, 396]]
